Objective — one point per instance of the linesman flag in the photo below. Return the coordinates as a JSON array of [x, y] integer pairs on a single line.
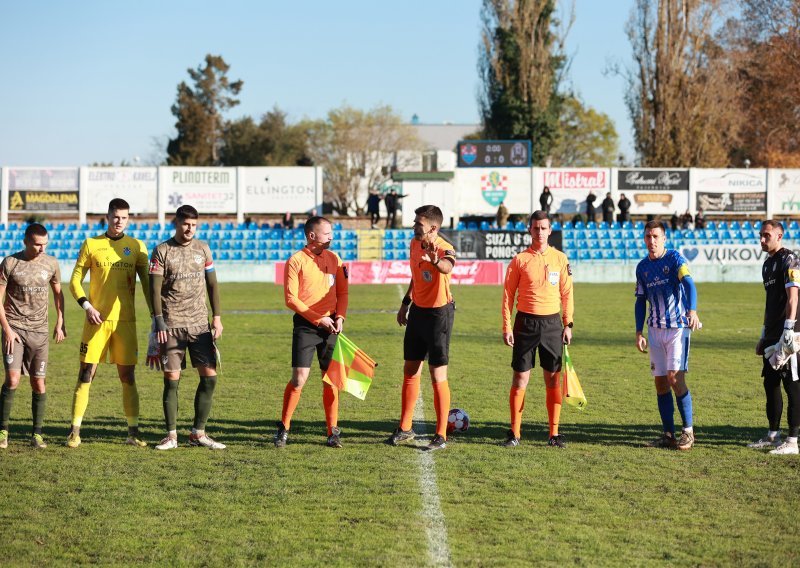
[[351, 369], [571, 386]]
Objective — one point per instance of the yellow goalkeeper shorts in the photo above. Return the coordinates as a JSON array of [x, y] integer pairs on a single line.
[[111, 341]]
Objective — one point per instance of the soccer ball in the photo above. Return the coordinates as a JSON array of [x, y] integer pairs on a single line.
[[457, 421]]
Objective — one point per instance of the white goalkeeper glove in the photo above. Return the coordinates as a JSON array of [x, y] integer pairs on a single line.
[[787, 339]]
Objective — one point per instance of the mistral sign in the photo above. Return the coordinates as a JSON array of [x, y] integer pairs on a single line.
[[571, 186]]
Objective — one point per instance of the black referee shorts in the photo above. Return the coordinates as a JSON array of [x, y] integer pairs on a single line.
[[428, 334], [530, 332], [307, 338]]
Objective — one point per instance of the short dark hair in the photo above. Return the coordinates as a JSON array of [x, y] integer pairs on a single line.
[[538, 215], [774, 224], [118, 204], [431, 213], [186, 212], [35, 230], [313, 222], [655, 224]]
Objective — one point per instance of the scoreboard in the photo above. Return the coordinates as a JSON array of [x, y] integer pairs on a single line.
[[494, 154]]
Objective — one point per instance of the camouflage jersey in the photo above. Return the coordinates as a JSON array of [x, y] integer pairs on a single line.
[[183, 293], [26, 283]]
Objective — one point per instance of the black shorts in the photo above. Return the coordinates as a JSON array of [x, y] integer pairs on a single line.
[[530, 332], [306, 338], [428, 334]]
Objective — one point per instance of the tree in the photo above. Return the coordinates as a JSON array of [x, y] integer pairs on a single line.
[[767, 46], [682, 92], [358, 150], [521, 63], [272, 142], [199, 109], [585, 137]]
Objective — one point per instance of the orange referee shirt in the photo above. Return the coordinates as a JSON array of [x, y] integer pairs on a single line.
[[429, 287], [542, 282], [315, 286]]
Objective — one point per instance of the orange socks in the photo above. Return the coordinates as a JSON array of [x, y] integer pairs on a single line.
[[516, 401], [410, 394], [291, 396], [330, 401], [553, 400], [441, 402]]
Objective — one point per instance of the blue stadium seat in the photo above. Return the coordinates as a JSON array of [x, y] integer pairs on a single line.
[[401, 255], [263, 255], [509, 226], [757, 226], [337, 226], [460, 226], [579, 225], [566, 226], [472, 226], [388, 245], [556, 226], [299, 234], [275, 255], [615, 225], [484, 226], [388, 255], [591, 225], [711, 225], [237, 255], [251, 255], [584, 255], [602, 225], [350, 255], [285, 254], [520, 226], [224, 255]]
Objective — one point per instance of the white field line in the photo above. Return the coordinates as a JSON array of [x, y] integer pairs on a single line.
[[435, 529]]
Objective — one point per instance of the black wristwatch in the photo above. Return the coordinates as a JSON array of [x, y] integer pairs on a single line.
[[569, 325]]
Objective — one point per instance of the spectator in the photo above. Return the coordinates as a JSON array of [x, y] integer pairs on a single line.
[[686, 220], [590, 209], [288, 221], [608, 209], [392, 201], [675, 222], [546, 200], [624, 205], [700, 220], [502, 216], [373, 208]]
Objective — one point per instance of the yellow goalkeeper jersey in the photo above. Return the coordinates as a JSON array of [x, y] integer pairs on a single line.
[[112, 265]]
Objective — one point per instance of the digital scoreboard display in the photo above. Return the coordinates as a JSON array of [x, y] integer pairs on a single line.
[[494, 154]]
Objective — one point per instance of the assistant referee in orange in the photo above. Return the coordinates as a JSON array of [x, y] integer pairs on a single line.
[[541, 279]]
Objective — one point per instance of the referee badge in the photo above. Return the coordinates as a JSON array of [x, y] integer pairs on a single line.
[[553, 278], [426, 276]]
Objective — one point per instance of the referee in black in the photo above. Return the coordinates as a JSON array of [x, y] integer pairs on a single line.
[[781, 276]]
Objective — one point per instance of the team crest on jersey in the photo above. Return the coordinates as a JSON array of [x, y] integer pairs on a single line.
[[427, 276], [126, 251], [666, 270], [43, 274], [553, 278], [198, 259]]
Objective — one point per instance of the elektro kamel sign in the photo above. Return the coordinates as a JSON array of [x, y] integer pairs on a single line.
[[494, 154]]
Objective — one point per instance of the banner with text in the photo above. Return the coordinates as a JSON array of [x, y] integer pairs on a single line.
[[43, 189], [280, 190], [743, 254], [399, 272], [730, 191], [493, 245], [571, 186], [481, 190], [654, 190], [137, 186], [209, 190], [784, 190]]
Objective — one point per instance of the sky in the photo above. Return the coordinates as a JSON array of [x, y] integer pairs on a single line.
[[93, 81]]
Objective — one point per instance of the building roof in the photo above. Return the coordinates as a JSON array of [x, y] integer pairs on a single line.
[[444, 136]]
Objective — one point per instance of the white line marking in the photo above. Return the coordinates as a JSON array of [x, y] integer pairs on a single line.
[[435, 528]]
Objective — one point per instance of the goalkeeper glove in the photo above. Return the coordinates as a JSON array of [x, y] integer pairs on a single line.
[[787, 339]]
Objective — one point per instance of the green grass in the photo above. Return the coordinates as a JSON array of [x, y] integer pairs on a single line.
[[606, 500]]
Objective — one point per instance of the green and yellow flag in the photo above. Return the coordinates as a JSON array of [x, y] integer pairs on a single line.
[[571, 386], [351, 369]]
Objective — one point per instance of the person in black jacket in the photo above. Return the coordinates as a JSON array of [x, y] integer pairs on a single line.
[[624, 205], [546, 200], [590, 209], [608, 209]]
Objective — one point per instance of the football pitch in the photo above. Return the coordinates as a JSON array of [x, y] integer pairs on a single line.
[[605, 500]]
